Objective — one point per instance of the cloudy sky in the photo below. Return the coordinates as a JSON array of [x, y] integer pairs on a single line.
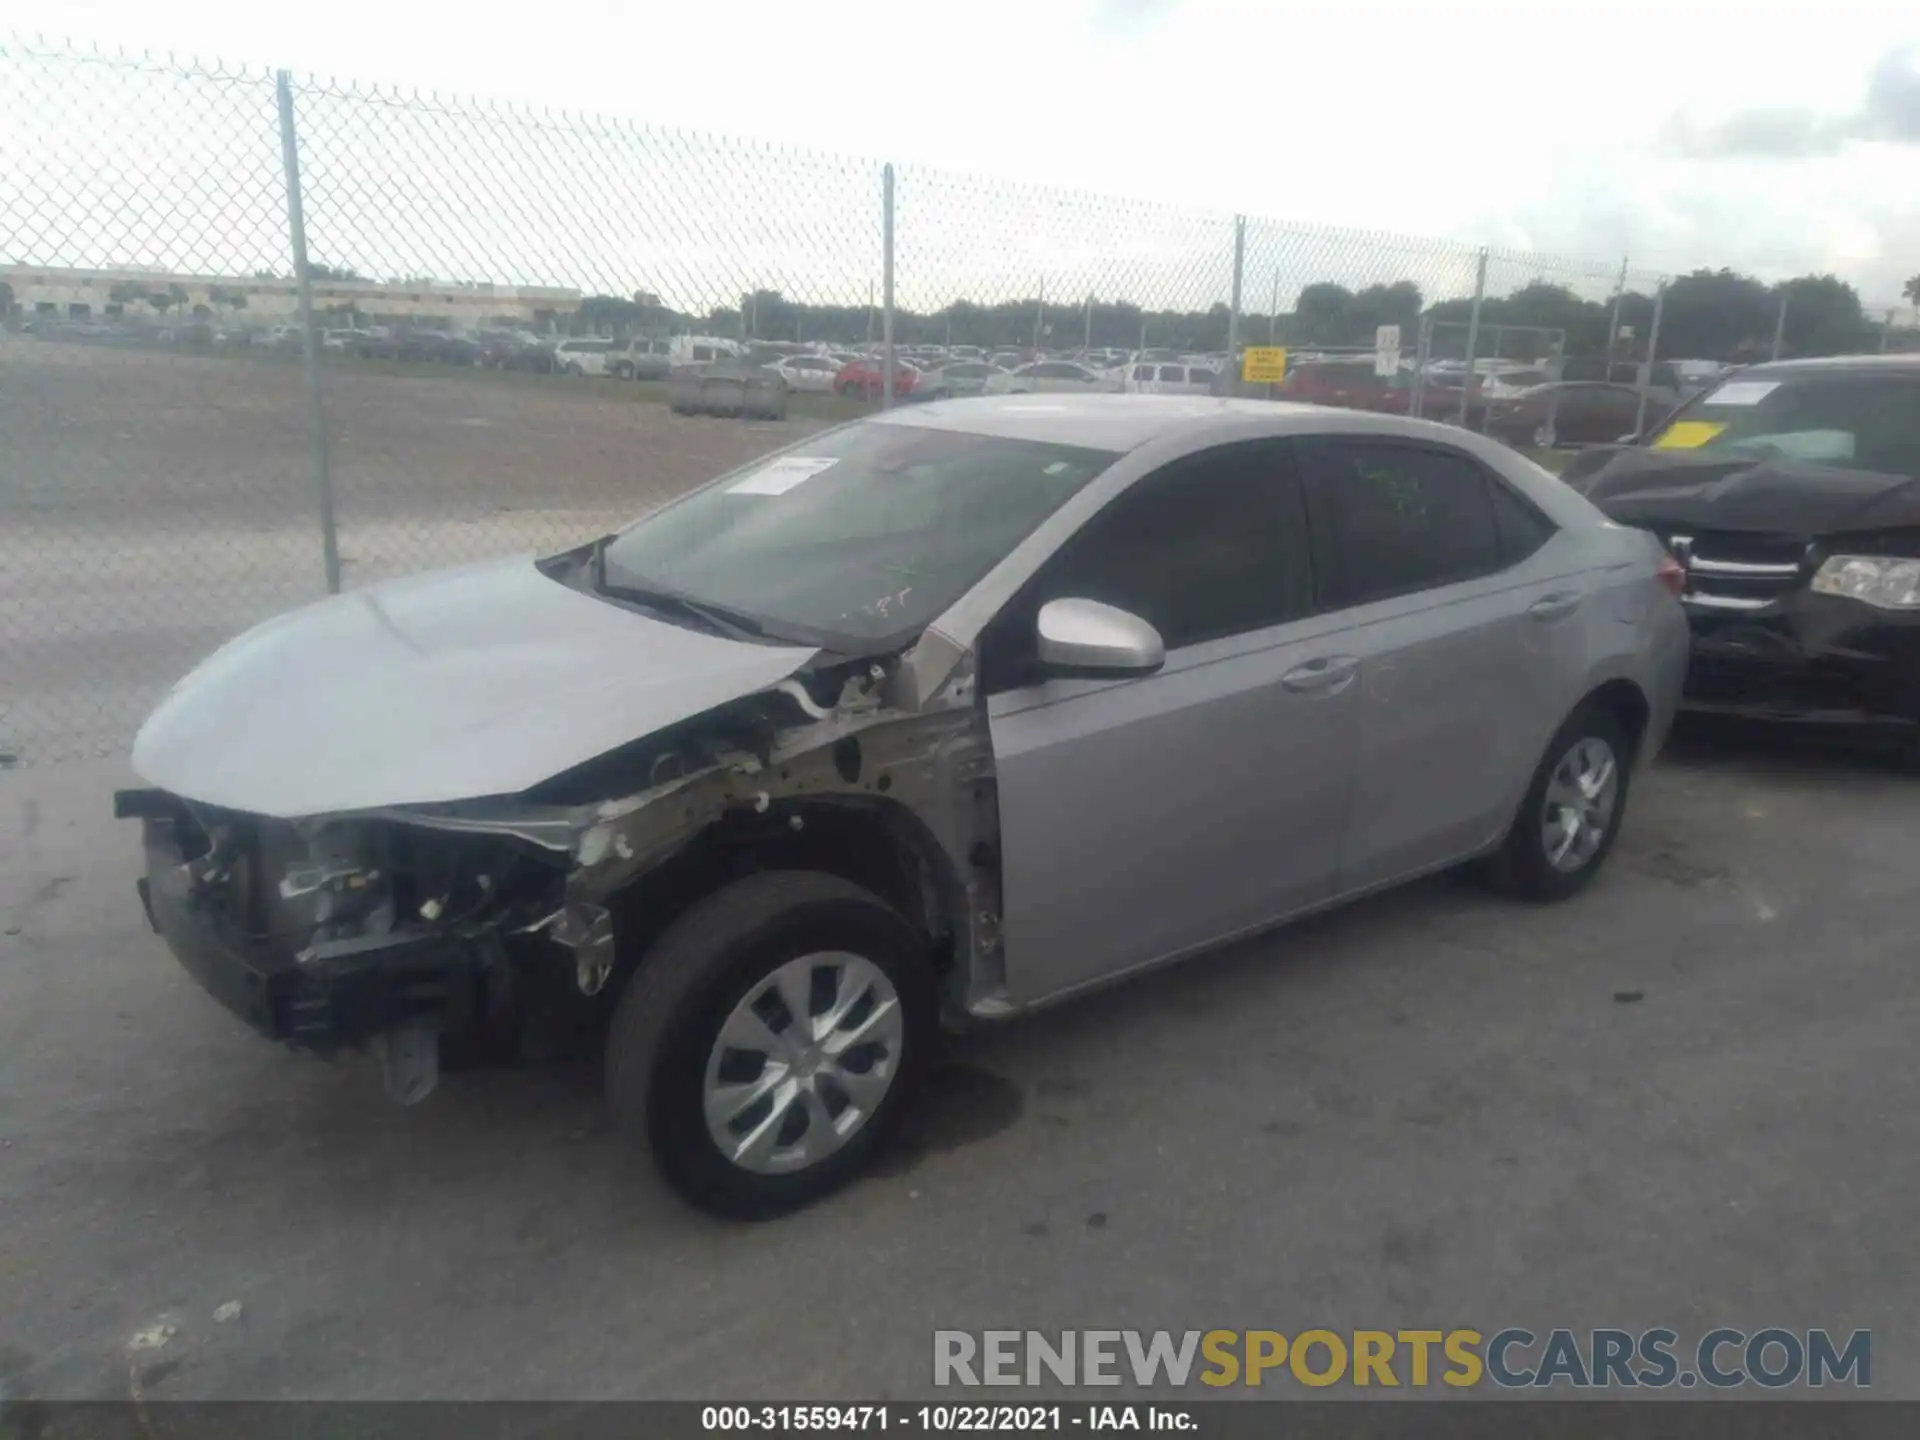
[[1681, 133]]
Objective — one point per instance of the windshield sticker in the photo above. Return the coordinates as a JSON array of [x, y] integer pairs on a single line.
[[779, 476], [1687, 434], [1742, 392]]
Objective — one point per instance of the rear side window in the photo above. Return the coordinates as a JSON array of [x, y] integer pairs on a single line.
[[1143, 372], [1393, 519], [1175, 373], [1519, 527]]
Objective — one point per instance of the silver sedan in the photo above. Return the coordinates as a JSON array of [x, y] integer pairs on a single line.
[[952, 712]]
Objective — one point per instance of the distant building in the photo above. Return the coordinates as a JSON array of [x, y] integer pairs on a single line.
[[110, 292]]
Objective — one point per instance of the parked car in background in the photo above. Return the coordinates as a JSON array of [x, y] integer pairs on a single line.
[[1790, 492], [436, 347], [1569, 413], [809, 374], [1167, 379], [1049, 377], [702, 349], [583, 355], [1351, 384], [1509, 384], [1224, 666], [344, 340], [865, 378], [380, 342], [956, 378], [515, 350], [641, 360]]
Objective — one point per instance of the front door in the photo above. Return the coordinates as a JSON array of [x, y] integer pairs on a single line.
[[1146, 817]]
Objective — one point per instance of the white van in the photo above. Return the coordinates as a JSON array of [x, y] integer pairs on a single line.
[[1169, 379], [587, 355]]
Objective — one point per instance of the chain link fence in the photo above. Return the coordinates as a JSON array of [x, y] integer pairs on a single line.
[[174, 437]]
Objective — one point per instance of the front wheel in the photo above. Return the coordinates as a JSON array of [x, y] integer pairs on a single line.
[[765, 1045], [1572, 811]]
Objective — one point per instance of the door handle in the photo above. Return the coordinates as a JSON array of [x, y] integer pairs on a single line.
[[1556, 606], [1330, 672]]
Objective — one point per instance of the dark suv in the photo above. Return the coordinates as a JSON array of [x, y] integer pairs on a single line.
[[1791, 494]]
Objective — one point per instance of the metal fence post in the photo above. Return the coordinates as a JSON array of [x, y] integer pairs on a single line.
[[1779, 328], [1422, 354], [1039, 314], [886, 287], [309, 342], [1273, 314], [1473, 335], [1239, 269], [1613, 319], [1653, 354], [1886, 332]]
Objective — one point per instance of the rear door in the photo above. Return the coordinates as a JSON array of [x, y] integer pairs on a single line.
[[1465, 617], [1145, 817]]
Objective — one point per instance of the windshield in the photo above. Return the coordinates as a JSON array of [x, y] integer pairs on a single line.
[[858, 535], [1859, 422]]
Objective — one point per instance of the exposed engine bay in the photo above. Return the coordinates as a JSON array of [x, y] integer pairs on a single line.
[[419, 929]]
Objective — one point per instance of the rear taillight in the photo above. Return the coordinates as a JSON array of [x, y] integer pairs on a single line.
[[1672, 574]]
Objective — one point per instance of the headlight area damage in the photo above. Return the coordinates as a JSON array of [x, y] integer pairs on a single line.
[[494, 927]]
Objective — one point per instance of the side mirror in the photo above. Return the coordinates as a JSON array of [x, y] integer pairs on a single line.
[[1089, 638]]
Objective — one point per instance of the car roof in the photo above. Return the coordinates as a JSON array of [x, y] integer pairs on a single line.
[[1126, 422], [1836, 364]]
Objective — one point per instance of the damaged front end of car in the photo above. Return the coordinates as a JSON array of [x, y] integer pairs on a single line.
[[497, 927]]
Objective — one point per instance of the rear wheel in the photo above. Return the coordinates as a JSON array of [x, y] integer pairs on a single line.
[[1572, 811], [768, 1039]]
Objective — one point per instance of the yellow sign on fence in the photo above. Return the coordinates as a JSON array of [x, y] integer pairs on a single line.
[[1264, 365]]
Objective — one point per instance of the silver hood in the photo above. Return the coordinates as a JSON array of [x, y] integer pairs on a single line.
[[483, 680]]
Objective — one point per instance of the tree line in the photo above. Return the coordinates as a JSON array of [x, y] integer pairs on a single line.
[[1707, 314]]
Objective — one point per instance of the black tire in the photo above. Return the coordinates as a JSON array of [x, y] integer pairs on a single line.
[[1521, 867], [689, 982]]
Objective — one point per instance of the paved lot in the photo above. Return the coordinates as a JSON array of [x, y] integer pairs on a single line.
[[154, 504], [1686, 1098]]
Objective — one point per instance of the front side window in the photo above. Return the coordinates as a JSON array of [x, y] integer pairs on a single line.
[[864, 534], [1391, 519], [1211, 546]]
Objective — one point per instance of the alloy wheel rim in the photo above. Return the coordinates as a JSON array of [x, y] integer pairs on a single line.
[[1581, 795], [803, 1062]]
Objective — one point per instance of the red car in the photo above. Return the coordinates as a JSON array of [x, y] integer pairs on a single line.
[[1572, 413], [865, 379], [1350, 384]]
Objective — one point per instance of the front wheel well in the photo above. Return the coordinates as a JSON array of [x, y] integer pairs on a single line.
[[880, 847]]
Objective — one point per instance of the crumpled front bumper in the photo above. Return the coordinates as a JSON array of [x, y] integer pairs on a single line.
[[1812, 659], [339, 996]]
